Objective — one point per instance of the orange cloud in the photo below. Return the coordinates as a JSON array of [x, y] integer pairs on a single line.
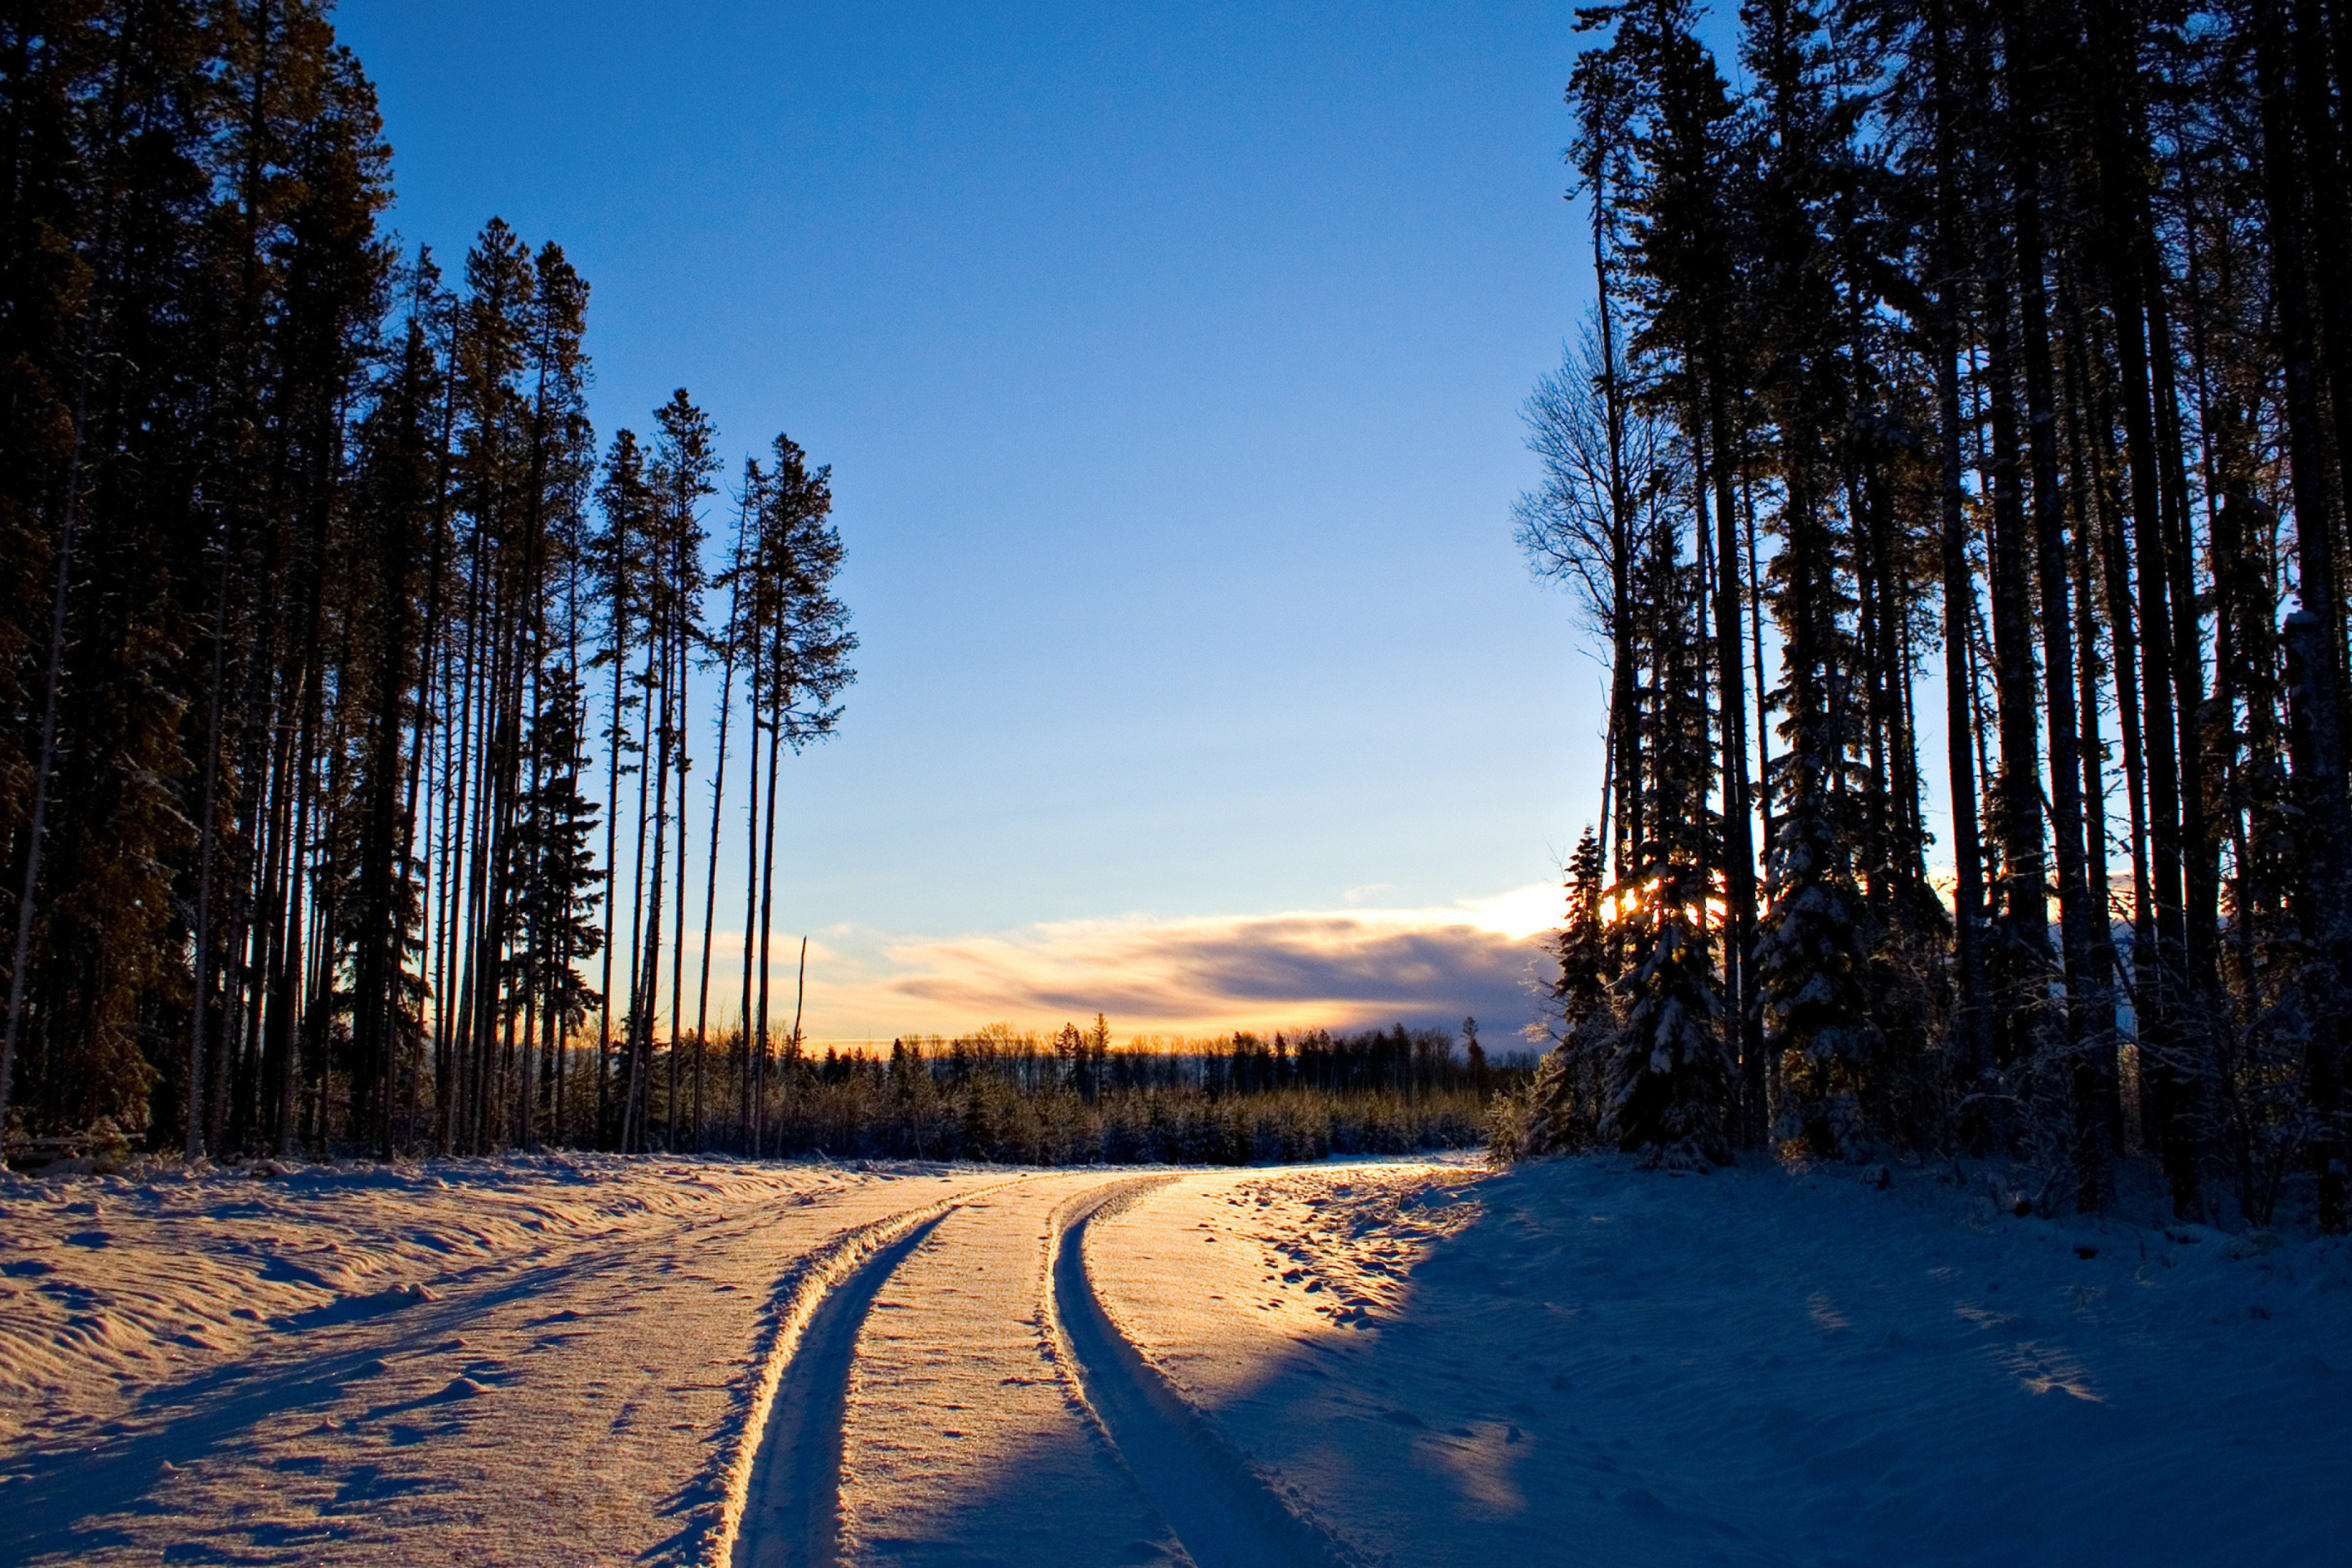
[[1202, 976]]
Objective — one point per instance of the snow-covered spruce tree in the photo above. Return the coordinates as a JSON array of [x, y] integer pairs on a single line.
[[1812, 951], [1570, 1085], [1670, 1085], [1810, 964], [1562, 1105], [1813, 947], [1667, 1077]]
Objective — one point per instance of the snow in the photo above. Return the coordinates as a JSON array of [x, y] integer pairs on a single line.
[[226, 1376], [959, 1428], [577, 1359], [1574, 1362]]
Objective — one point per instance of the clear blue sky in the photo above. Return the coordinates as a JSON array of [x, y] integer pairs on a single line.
[[1168, 358]]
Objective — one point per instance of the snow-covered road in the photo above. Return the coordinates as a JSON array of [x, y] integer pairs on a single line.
[[960, 1396], [582, 1360], [960, 1441], [589, 1360]]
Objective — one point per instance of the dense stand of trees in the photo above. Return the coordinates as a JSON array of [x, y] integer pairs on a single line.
[[351, 697], [1963, 404], [1071, 1098]]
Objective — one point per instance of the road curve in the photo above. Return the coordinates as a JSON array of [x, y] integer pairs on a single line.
[[944, 1386]]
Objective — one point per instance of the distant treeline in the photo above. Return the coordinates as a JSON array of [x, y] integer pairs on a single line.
[[1018, 1097], [1414, 1063], [1072, 1100], [347, 688]]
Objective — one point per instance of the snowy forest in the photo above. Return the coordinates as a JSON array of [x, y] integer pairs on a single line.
[[446, 846], [1958, 423], [346, 792]]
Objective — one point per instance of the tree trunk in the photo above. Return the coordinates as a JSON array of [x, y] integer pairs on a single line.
[[2316, 733], [2024, 947], [2086, 1034], [1743, 1032]]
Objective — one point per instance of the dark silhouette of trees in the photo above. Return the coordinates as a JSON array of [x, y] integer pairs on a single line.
[[318, 681], [2016, 333]]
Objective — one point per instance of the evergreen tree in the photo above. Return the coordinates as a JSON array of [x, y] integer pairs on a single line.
[[1958, 328]]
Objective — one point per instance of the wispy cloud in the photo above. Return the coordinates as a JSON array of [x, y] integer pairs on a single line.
[[1334, 968]]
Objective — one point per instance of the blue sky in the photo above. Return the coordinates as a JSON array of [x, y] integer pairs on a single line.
[[1168, 358]]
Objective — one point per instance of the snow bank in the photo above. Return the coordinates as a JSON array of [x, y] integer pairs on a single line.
[[111, 1284], [1573, 1361]]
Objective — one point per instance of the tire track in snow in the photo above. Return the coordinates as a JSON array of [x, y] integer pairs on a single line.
[[1221, 1509], [780, 1479], [791, 1513]]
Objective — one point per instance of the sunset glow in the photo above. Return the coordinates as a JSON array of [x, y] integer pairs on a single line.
[[1203, 975]]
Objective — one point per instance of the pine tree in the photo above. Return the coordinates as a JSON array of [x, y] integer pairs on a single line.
[[679, 479], [1567, 1098], [800, 668], [619, 551], [555, 925]]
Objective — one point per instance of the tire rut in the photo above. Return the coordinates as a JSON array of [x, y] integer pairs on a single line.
[[1221, 1509], [780, 1482], [793, 1516]]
